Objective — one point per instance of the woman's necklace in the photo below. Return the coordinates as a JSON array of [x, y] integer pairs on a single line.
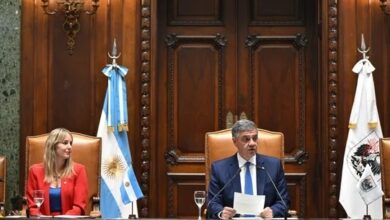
[[57, 179]]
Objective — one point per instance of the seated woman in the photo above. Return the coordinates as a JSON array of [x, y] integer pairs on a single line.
[[64, 183]]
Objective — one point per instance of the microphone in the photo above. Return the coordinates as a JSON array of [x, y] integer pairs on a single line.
[[226, 184], [277, 191]]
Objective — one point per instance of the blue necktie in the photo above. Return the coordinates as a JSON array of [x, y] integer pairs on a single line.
[[248, 180]]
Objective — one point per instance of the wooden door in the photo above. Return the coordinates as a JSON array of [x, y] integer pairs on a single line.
[[278, 86], [252, 58]]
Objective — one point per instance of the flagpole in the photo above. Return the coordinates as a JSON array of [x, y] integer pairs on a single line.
[[119, 188], [114, 56], [367, 216], [132, 216], [362, 147], [364, 50]]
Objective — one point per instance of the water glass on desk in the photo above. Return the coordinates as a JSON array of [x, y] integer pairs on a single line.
[[38, 199], [200, 198]]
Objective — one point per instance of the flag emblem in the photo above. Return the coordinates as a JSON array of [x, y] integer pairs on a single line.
[[368, 184], [113, 167], [363, 153]]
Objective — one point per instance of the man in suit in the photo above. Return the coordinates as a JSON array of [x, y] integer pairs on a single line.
[[256, 181]]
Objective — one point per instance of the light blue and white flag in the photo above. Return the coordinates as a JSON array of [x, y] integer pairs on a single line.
[[119, 186]]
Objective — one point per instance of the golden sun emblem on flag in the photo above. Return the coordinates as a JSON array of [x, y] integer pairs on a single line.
[[114, 167]]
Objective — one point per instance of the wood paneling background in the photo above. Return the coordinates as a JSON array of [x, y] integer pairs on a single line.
[[191, 62]]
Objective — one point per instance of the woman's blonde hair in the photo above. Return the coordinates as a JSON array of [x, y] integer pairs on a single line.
[[49, 158]]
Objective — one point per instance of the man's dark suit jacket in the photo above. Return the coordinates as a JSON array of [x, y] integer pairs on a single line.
[[224, 170]]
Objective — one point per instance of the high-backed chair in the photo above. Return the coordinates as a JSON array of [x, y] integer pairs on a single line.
[[85, 150], [384, 146], [3, 180], [219, 145]]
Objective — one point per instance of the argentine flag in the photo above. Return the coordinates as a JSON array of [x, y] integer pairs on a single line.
[[119, 187]]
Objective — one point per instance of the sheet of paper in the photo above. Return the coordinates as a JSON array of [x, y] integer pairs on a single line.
[[248, 204], [246, 218]]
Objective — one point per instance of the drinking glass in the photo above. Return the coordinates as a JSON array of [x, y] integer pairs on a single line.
[[199, 197], [38, 199]]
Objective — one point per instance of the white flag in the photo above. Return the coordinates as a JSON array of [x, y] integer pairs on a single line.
[[367, 186], [362, 146]]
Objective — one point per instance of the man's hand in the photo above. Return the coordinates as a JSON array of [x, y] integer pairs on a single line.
[[266, 213], [227, 213]]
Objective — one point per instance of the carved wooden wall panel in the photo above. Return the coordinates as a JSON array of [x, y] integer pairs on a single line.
[[232, 68], [281, 12], [181, 187], [194, 67], [195, 12], [281, 86], [296, 184], [278, 86], [50, 77]]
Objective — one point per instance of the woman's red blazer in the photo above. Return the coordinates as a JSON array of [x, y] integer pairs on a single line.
[[74, 191]]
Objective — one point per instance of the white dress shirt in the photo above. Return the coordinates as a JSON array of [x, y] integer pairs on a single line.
[[252, 169]]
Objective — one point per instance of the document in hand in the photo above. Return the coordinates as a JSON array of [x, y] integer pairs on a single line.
[[248, 204]]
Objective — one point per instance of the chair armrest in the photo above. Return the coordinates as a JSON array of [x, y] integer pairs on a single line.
[[386, 207], [2, 210], [292, 213]]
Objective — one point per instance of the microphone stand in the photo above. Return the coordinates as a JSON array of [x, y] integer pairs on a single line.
[[277, 191], [226, 184]]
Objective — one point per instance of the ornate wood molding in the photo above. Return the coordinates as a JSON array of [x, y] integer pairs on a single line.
[[175, 156], [332, 105], [299, 157], [72, 10], [299, 40], [171, 199], [145, 104]]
